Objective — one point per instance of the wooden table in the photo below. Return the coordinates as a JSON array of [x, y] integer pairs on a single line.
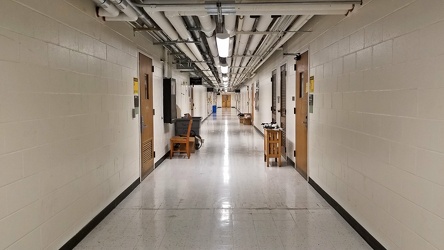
[[272, 145]]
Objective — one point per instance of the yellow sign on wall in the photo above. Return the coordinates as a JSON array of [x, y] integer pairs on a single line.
[[312, 84], [136, 86]]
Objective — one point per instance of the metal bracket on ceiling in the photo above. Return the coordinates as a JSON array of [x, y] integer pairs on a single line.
[[225, 8], [246, 56], [145, 29], [187, 61], [175, 42], [271, 32], [350, 10]]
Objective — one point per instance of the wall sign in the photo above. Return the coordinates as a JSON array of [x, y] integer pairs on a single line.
[[312, 84], [136, 86]]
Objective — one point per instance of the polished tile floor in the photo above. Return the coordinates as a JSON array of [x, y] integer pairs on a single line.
[[224, 197]]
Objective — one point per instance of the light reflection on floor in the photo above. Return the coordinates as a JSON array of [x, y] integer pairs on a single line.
[[224, 197]]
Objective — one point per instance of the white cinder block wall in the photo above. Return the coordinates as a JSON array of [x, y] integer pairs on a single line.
[[376, 141], [68, 144]]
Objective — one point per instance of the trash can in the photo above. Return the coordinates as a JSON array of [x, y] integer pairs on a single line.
[[181, 126], [214, 109]]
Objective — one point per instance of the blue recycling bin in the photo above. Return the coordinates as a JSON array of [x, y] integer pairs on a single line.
[[214, 109]]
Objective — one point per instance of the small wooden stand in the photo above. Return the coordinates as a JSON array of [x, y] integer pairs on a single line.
[[272, 145]]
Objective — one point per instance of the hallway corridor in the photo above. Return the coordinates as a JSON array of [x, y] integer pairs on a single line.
[[224, 197]]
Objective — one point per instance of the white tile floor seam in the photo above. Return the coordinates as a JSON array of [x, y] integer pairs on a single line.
[[224, 197]]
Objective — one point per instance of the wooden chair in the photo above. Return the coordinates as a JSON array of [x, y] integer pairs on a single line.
[[181, 140]]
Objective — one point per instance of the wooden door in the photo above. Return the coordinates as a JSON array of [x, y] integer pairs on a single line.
[[146, 114], [273, 96], [283, 109], [301, 114], [248, 99], [226, 101]]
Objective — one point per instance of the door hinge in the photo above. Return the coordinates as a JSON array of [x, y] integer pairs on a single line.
[[294, 110], [154, 112], [294, 67], [154, 154], [294, 153], [152, 68]]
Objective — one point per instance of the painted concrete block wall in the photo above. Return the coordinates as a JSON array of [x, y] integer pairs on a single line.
[[68, 144], [376, 141]]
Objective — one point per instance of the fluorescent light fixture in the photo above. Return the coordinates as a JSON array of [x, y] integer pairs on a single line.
[[225, 78], [224, 69], [223, 44]]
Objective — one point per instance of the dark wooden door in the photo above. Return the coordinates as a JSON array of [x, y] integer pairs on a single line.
[[273, 96], [146, 114], [301, 114], [283, 109], [191, 100]]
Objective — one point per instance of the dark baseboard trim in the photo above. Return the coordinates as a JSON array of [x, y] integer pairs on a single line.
[[374, 243], [162, 159], [99, 217], [291, 162], [258, 130]]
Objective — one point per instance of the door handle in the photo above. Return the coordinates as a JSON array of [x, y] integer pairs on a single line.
[[142, 124]]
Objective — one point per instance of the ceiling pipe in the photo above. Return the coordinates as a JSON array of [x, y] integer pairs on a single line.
[[208, 25], [282, 24], [190, 22], [128, 15], [247, 25], [106, 9], [165, 25], [295, 27], [263, 24], [262, 8], [180, 27], [230, 24]]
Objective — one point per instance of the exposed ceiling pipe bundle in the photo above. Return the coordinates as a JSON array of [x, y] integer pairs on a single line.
[[106, 9], [281, 24], [247, 50], [263, 23], [127, 14], [258, 8], [295, 27], [247, 25], [230, 24]]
